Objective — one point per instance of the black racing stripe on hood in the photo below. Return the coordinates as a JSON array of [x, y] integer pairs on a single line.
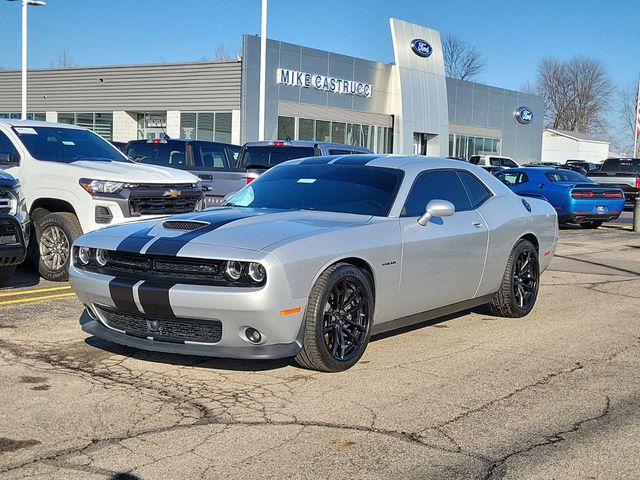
[[121, 292], [154, 299], [172, 245], [134, 242], [355, 160]]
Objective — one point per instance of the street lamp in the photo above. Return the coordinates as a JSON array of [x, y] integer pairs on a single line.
[[25, 3]]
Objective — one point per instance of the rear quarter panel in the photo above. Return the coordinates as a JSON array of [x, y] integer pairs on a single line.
[[508, 221]]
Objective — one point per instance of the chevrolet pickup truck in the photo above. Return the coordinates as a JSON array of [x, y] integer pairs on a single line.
[[214, 163], [75, 182], [620, 172], [14, 226]]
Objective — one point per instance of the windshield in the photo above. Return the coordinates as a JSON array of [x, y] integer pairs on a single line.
[[330, 188], [268, 156], [567, 176], [625, 165], [164, 154], [59, 144]]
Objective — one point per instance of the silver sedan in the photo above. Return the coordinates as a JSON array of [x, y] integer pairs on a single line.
[[314, 257]]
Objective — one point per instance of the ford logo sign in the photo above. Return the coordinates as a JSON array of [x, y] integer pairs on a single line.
[[524, 115], [422, 48]]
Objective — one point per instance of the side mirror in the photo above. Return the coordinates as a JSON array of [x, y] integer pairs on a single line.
[[437, 208]]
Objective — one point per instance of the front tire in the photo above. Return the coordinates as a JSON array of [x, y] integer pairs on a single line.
[[337, 320], [519, 288], [56, 233]]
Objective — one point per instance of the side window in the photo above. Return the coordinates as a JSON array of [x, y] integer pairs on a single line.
[[431, 185], [341, 152], [476, 190], [7, 148], [509, 163], [495, 162], [475, 159], [212, 158], [522, 178]]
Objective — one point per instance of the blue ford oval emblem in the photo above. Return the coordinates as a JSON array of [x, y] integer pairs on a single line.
[[422, 48], [524, 115]]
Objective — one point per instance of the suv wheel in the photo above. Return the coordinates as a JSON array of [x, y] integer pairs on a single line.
[[56, 233]]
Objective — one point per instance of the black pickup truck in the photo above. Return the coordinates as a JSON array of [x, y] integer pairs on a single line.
[[620, 172], [14, 226]]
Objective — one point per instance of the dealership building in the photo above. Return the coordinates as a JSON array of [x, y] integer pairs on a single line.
[[405, 107]]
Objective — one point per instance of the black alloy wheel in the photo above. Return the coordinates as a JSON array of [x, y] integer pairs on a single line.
[[525, 280], [337, 319], [520, 283]]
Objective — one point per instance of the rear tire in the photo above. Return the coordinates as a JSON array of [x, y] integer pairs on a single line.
[[55, 234], [337, 320], [594, 224], [6, 273], [519, 288]]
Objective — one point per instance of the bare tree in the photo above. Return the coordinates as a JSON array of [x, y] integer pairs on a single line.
[[220, 53], [461, 60], [577, 94], [63, 59], [625, 103]]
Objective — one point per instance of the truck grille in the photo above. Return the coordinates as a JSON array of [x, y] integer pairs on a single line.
[[162, 206], [6, 202], [8, 233], [164, 329], [164, 199]]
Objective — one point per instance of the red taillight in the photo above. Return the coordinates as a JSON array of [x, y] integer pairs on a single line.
[[581, 194], [249, 179], [638, 182], [278, 143], [612, 194], [156, 140]]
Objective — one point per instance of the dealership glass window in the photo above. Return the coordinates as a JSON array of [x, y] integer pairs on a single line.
[[323, 131], [464, 146], [208, 126], [378, 139], [38, 116], [99, 122], [306, 129], [286, 128]]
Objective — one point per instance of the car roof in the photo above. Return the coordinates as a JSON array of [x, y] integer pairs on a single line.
[[36, 123], [183, 140]]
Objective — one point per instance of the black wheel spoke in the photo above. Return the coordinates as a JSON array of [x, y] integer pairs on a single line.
[[362, 328], [351, 298]]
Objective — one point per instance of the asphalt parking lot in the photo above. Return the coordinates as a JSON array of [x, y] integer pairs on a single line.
[[470, 396]]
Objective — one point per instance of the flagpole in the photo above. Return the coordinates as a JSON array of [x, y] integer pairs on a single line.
[[637, 129], [263, 72]]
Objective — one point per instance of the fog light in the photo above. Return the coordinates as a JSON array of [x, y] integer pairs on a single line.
[[253, 335], [233, 270], [256, 272], [101, 257], [84, 255]]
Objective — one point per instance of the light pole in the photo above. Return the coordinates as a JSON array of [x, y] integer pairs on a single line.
[[263, 72], [25, 3]]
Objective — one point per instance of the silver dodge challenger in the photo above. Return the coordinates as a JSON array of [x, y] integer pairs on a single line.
[[314, 257]]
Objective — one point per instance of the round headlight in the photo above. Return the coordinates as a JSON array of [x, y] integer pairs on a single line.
[[101, 257], [257, 272], [84, 255], [233, 270]]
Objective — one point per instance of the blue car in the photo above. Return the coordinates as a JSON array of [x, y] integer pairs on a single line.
[[576, 198]]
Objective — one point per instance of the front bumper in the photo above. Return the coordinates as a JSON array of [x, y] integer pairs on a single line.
[[256, 352], [13, 240], [185, 306]]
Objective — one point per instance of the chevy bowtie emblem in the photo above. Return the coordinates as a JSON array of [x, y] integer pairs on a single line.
[[173, 193]]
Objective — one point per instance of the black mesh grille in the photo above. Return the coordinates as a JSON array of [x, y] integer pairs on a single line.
[[162, 206], [169, 330], [8, 233], [183, 225], [6, 202]]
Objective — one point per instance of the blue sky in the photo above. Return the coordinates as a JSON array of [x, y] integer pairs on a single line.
[[512, 35]]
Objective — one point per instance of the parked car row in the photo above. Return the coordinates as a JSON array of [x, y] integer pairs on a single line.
[[75, 182]]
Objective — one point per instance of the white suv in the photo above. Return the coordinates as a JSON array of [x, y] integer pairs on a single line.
[[493, 161], [74, 182]]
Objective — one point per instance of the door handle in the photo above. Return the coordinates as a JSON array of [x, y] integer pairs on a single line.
[[477, 224], [205, 177]]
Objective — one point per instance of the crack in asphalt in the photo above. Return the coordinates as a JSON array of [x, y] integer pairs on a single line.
[[211, 405], [498, 469]]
